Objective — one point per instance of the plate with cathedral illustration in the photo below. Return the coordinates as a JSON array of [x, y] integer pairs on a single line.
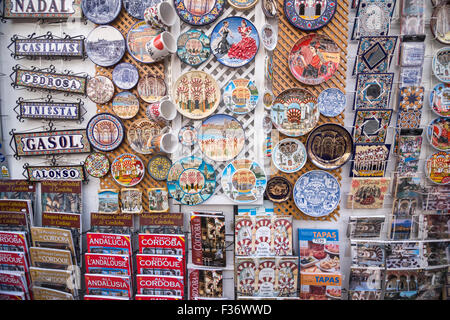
[[127, 169], [329, 146], [295, 112], [105, 132], [140, 133], [289, 155], [196, 94]]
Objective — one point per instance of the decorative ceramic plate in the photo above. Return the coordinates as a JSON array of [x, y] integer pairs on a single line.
[[101, 12], [289, 155], [199, 13], [191, 181], [140, 133], [329, 146], [438, 133], [309, 15], [97, 164], [268, 99], [125, 105], [151, 88], [221, 137], [295, 112], [440, 99], [269, 37], [240, 96], [439, 23], [158, 167], [193, 47], [317, 193], [441, 65], [137, 38], [278, 189], [437, 167], [105, 132], [188, 135], [196, 94], [100, 89], [234, 41], [314, 59], [136, 8], [242, 5], [125, 76], [243, 181], [270, 8], [105, 46], [267, 124], [127, 170], [331, 102]]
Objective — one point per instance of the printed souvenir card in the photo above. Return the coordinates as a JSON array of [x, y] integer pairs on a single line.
[[108, 200], [375, 54], [171, 244], [131, 200], [435, 253], [362, 227], [13, 241], [367, 253], [366, 279], [410, 107], [108, 264], [401, 284], [108, 243], [373, 18], [205, 283], [161, 222], [61, 196], [111, 223], [433, 226], [403, 254], [55, 238], [373, 90], [320, 286], [50, 258], [13, 282], [61, 280], [369, 160], [371, 126], [41, 293], [107, 285], [367, 193], [160, 265]]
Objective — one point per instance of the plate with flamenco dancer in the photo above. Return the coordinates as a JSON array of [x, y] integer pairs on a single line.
[[234, 42]]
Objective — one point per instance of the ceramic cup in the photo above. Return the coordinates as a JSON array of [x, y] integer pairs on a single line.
[[161, 46], [166, 141], [161, 15], [162, 111]]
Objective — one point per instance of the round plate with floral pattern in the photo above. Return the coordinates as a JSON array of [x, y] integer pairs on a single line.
[[438, 133], [158, 167], [240, 96], [289, 155], [309, 15], [331, 102], [437, 167], [278, 189], [127, 170], [193, 47], [105, 132], [188, 135], [199, 13], [100, 89], [440, 99], [97, 164], [242, 4]]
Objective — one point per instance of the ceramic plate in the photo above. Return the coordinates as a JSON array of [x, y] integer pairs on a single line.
[[314, 59], [158, 167], [329, 146], [289, 155], [317, 193], [295, 112], [188, 136], [309, 15], [278, 189], [191, 181], [138, 36], [221, 137], [438, 133], [151, 88], [242, 4], [243, 181], [101, 12], [125, 105], [331, 102], [437, 167], [240, 96], [439, 23], [196, 94], [268, 99], [199, 13], [97, 164], [127, 170], [125, 76], [441, 65], [270, 8], [234, 41], [135, 8], [269, 37], [100, 89], [105, 132], [193, 47], [440, 99], [105, 46], [140, 133]]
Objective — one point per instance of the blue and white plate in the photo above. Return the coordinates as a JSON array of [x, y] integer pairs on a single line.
[[136, 8], [317, 193], [331, 102], [101, 12], [105, 46], [125, 76]]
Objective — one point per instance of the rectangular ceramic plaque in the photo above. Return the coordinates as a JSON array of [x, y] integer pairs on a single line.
[[35, 9], [49, 110], [49, 47], [43, 173]]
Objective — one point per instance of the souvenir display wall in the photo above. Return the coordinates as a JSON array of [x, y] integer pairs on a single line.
[[195, 150]]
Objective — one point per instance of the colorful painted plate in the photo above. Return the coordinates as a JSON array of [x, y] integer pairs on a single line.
[[105, 46], [191, 181], [439, 23], [151, 88], [97, 164], [295, 112], [105, 132], [196, 94], [314, 59], [270, 8], [440, 99], [140, 133], [125, 76], [240, 96], [136, 8], [199, 13], [329, 146], [331, 102], [127, 170], [137, 38], [234, 41], [188, 135], [268, 99], [317, 193], [441, 65], [125, 105], [158, 167], [269, 37], [243, 181], [309, 15], [193, 47], [242, 4], [278, 189], [221, 137], [438, 133], [101, 12], [437, 167], [289, 155], [100, 89]]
